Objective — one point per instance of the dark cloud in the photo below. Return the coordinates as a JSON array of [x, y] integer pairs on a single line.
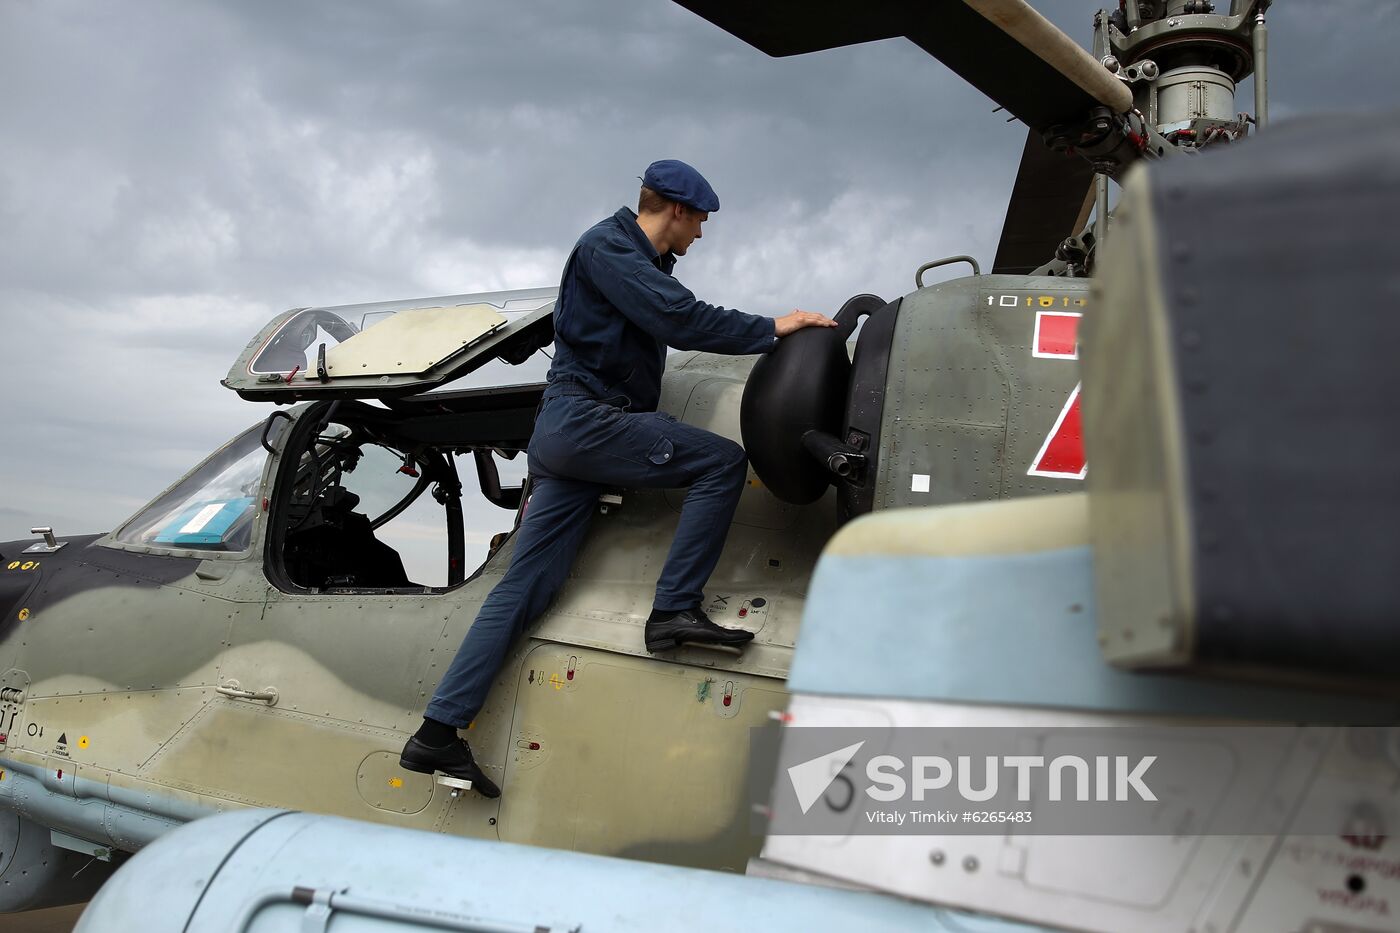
[[174, 173]]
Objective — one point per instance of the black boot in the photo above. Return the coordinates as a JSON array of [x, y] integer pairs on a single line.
[[690, 626], [454, 760]]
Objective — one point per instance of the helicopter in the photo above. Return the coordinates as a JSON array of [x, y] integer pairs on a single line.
[[250, 640]]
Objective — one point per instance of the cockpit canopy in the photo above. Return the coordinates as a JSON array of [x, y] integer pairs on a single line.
[[389, 349]]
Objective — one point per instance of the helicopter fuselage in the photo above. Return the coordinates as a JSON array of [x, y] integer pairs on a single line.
[[149, 683]]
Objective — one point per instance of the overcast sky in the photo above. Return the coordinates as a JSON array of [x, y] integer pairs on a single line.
[[172, 174]]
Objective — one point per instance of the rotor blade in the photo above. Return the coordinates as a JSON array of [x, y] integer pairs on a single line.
[[1049, 201], [795, 27], [1001, 47], [1020, 20]]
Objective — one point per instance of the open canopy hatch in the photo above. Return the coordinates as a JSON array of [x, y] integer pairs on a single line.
[[391, 348]]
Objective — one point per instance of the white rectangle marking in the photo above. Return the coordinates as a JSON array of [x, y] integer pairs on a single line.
[[202, 518], [920, 483]]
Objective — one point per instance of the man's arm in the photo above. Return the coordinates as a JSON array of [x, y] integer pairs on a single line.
[[670, 312]]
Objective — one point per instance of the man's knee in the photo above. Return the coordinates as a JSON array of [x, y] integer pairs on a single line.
[[735, 463], [741, 459], [719, 463]]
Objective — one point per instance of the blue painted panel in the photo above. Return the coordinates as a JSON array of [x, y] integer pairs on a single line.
[[237, 871], [1014, 629]]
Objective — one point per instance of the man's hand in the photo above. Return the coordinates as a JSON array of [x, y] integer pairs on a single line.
[[799, 319]]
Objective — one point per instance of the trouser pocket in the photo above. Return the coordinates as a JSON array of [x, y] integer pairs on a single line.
[[662, 451]]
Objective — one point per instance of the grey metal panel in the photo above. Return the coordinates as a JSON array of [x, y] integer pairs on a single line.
[[1265, 382], [943, 375], [1038, 388], [968, 403], [35, 873], [1291, 446], [958, 461]]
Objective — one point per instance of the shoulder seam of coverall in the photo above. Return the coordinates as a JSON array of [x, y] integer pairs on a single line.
[[692, 327]]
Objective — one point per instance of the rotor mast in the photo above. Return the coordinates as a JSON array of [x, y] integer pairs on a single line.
[[1183, 61]]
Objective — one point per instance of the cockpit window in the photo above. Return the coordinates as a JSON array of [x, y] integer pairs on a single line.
[[298, 342], [358, 515], [212, 508]]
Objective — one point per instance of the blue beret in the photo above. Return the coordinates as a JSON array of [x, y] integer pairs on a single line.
[[672, 178]]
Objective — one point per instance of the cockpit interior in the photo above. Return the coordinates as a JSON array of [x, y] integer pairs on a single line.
[[353, 471]]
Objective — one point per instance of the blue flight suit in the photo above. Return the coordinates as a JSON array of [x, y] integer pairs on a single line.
[[598, 427]]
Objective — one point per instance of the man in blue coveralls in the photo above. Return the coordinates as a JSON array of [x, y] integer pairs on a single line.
[[618, 310]]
